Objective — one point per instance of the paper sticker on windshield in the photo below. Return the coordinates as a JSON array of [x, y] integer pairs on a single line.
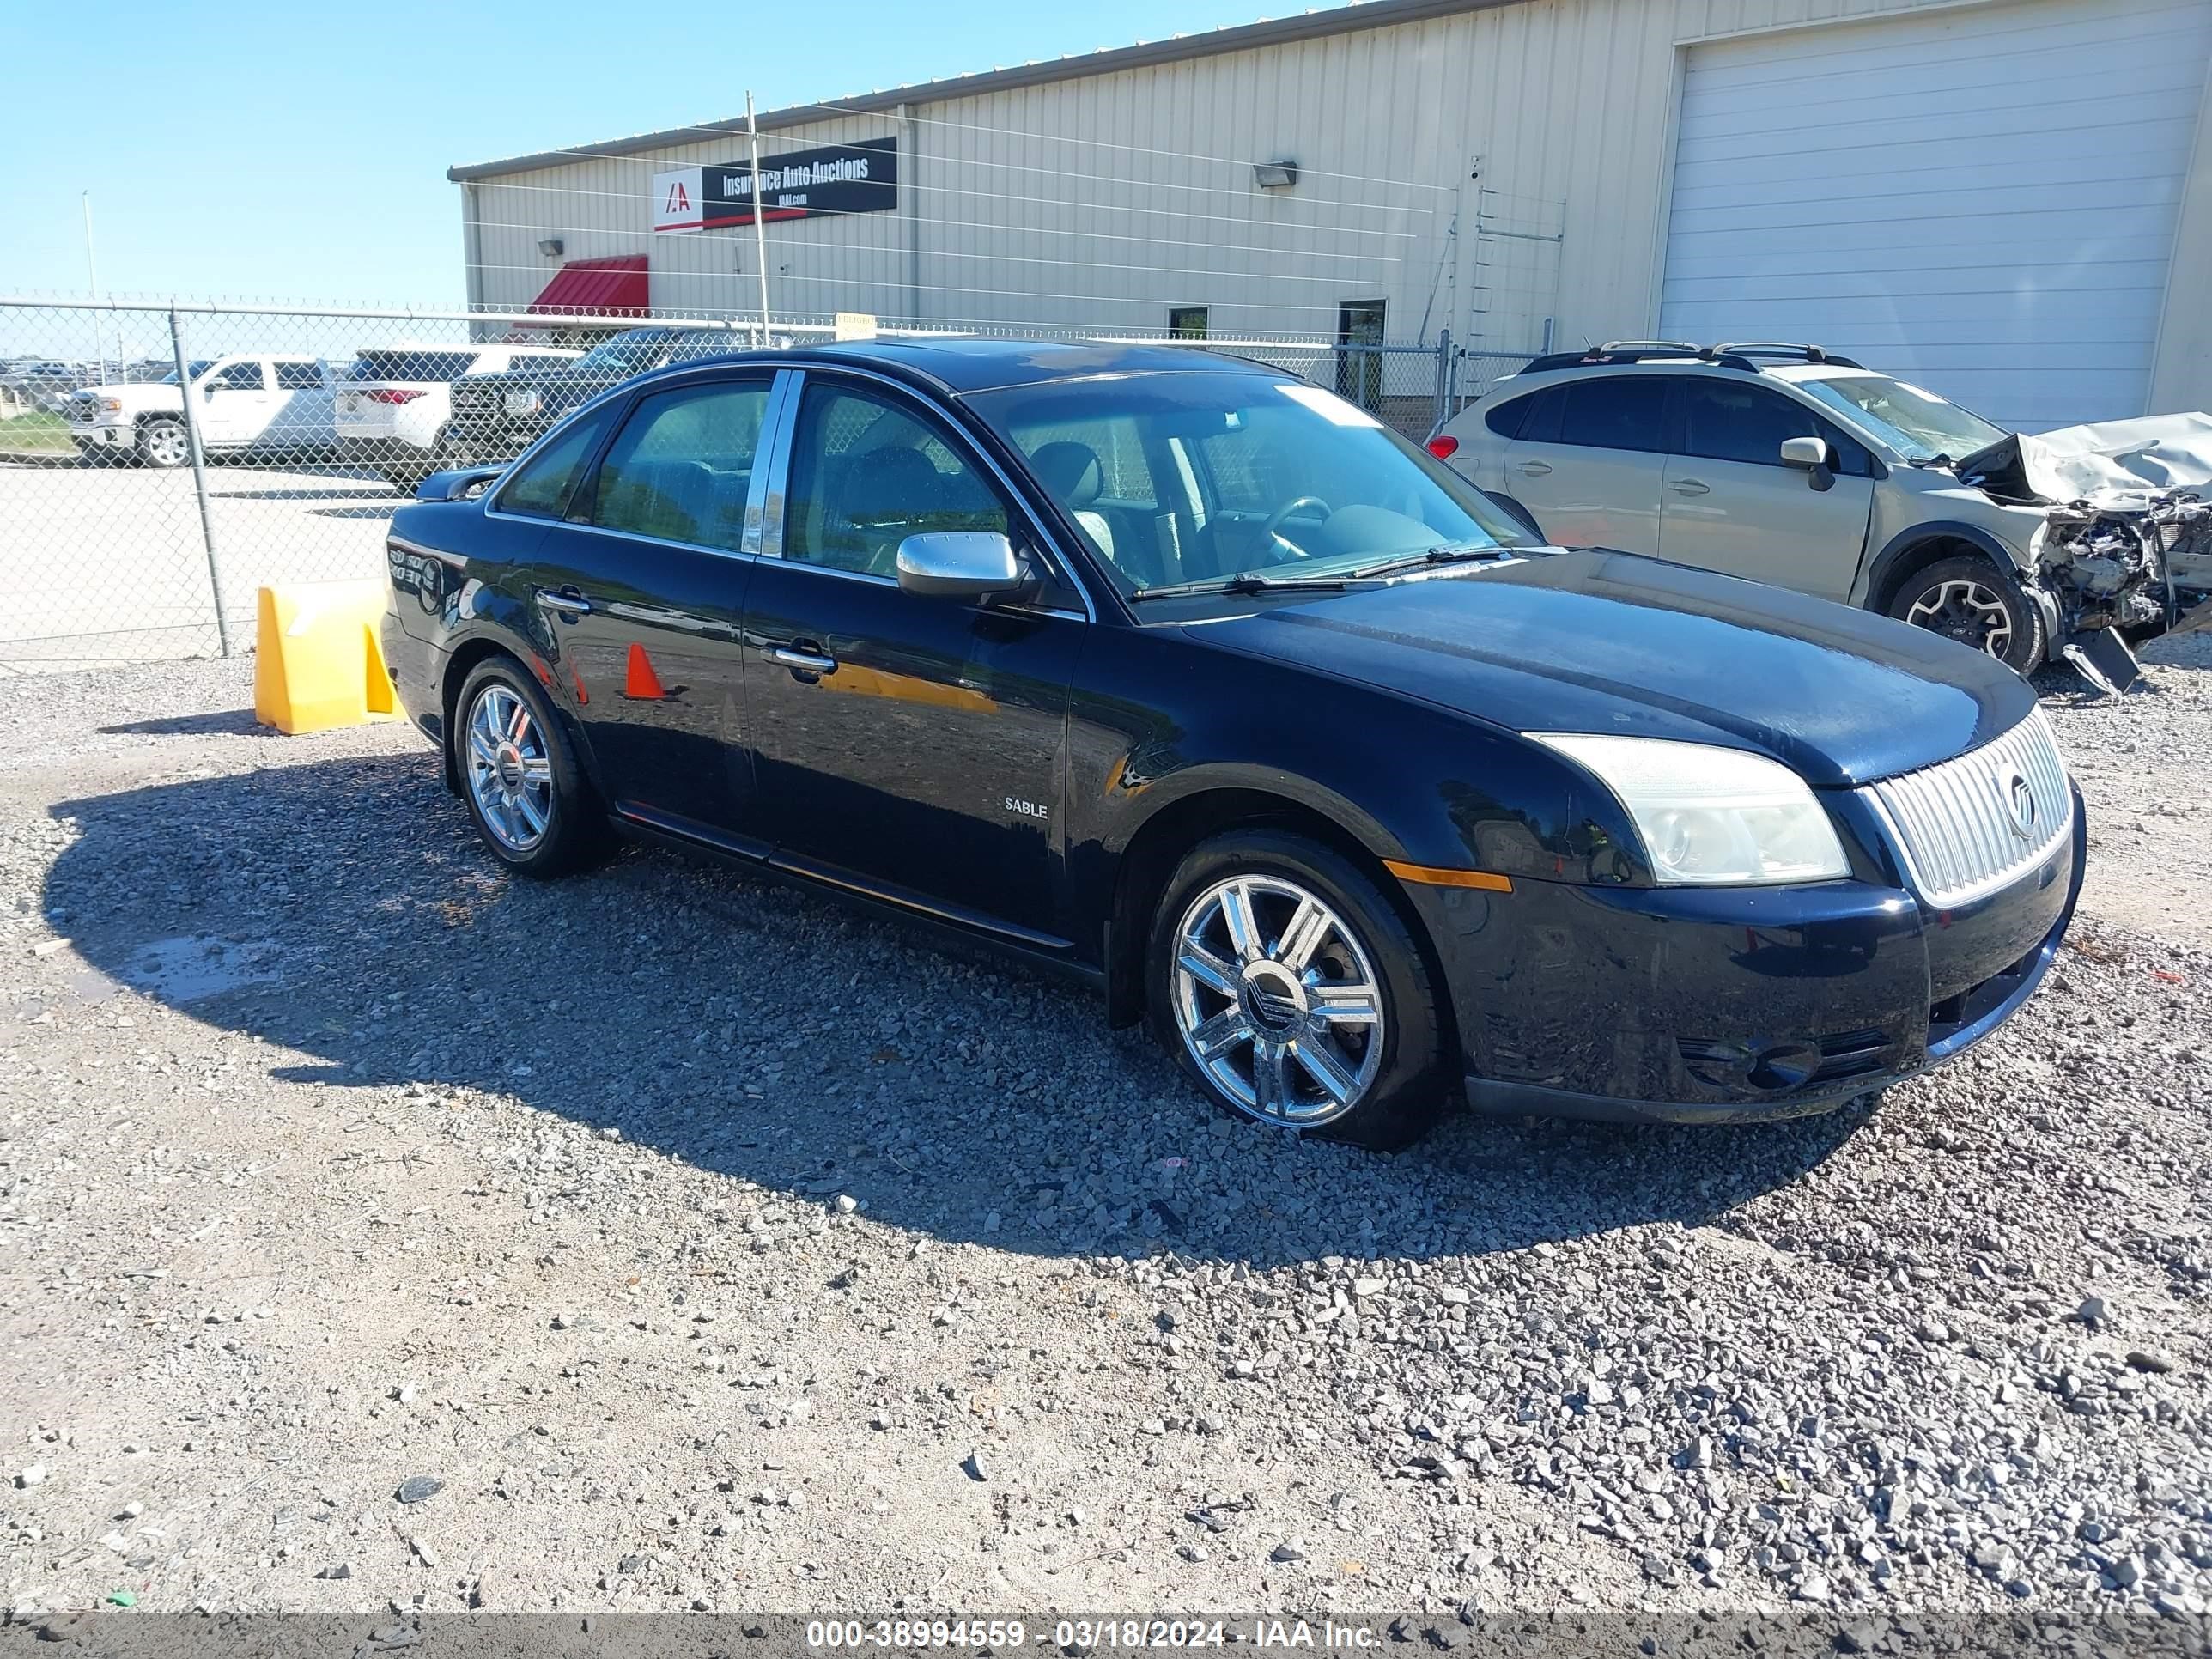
[[1330, 407]]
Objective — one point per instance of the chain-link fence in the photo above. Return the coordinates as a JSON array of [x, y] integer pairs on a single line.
[[160, 464]]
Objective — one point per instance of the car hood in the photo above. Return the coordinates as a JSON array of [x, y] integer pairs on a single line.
[[1610, 642], [139, 394]]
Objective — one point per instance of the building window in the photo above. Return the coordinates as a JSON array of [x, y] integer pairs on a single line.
[[1186, 322]]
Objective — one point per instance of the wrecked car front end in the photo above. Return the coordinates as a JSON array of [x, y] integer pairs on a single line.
[[2126, 540]]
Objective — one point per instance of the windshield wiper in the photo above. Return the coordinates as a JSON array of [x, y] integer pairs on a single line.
[[1436, 556], [1252, 583]]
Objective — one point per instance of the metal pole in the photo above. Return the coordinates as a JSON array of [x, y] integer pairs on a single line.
[[199, 475], [760, 224], [1443, 377]]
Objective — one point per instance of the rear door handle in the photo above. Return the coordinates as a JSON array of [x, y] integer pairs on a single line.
[[565, 602], [803, 657], [1690, 487], [1534, 469]]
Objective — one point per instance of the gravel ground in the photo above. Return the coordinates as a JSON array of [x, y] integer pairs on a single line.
[[383, 1232]]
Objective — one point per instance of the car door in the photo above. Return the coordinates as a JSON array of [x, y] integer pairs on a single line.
[[1589, 459], [907, 745], [1730, 505], [234, 402], [642, 579], [302, 410]]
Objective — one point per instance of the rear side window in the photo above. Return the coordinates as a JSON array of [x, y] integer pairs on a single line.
[[1506, 420], [1616, 411], [682, 465], [540, 487], [299, 377]]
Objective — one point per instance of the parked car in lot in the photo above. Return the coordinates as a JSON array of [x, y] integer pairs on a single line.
[[397, 402], [1789, 465], [1194, 681], [273, 404], [497, 417]]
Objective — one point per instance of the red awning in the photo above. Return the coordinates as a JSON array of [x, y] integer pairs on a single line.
[[608, 287]]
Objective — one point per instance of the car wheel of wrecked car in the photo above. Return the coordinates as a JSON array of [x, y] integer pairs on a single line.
[[1289, 988], [531, 803], [164, 442], [1966, 600]]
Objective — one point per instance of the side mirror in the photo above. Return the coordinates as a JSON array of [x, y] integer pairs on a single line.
[[960, 564], [1807, 452], [209, 390]]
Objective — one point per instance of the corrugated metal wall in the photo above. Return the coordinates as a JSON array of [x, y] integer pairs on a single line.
[[1102, 200]]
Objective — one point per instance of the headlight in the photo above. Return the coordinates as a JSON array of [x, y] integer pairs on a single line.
[[522, 403], [112, 406], [1711, 816]]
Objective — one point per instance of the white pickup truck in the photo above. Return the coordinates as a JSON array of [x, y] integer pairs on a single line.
[[271, 404]]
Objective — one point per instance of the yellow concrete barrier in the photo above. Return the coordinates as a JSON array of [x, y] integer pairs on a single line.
[[317, 663]]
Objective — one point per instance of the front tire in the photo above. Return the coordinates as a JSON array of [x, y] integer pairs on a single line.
[[163, 442], [1294, 993], [1968, 599], [533, 805]]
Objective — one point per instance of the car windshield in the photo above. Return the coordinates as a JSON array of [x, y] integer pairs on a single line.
[[1180, 479], [623, 355], [1920, 425], [199, 366]]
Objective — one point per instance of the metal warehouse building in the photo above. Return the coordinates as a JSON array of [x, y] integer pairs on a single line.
[[2010, 200]]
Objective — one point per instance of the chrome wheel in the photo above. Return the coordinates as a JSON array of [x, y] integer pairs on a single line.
[[1276, 1001], [1968, 611], [510, 771], [168, 444]]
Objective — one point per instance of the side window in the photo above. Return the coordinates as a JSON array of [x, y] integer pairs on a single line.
[[1727, 420], [238, 377], [540, 487], [1737, 421], [1613, 411], [1507, 418], [299, 377], [681, 466], [865, 474]]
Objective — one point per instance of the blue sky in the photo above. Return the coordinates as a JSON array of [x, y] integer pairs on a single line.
[[299, 151]]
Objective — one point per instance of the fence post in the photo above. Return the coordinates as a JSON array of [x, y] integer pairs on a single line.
[[1443, 381], [199, 477]]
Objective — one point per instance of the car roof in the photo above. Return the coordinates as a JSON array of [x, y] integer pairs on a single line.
[[974, 364]]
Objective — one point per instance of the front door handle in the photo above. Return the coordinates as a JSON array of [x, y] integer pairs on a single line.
[[1534, 469], [1690, 487], [801, 660], [565, 602]]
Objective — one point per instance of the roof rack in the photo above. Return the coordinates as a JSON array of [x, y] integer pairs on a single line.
[[1745, 356], [1613, 351], [1746, 349]]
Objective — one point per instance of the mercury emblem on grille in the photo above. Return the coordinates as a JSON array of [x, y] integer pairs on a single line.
[[2023, 807]]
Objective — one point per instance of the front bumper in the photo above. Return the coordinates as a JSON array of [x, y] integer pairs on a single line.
[[105, 435], [1726, 1006]]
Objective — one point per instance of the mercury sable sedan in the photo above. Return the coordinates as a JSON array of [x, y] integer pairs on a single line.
[[1188, 679]]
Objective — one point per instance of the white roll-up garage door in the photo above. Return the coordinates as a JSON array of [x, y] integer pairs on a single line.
[[1980, 199]]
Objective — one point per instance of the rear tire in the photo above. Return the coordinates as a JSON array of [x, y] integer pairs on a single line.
[[536, 811], [1294, 993], [1966, 599]]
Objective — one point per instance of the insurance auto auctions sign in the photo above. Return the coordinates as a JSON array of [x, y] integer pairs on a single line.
[[800, 184]]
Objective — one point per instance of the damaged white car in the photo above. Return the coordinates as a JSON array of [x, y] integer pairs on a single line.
[[1788, 464]]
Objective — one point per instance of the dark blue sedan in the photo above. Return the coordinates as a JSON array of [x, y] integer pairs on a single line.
[[1190, 680]]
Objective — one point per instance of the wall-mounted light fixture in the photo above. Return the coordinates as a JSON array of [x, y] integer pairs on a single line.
[[550, 248], [1274, 176]]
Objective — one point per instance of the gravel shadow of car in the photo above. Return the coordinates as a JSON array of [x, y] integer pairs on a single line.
[[344, 909]]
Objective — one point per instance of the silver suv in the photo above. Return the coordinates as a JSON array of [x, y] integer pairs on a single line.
[[1788, 464]]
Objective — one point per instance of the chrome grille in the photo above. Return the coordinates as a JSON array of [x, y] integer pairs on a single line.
[[1958, 826], [478, 403]]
